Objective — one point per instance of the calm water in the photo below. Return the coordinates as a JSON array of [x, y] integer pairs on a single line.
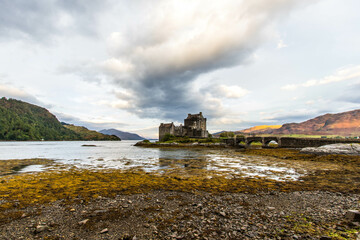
[[124, 155]]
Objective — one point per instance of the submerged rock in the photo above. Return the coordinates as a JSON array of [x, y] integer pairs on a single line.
[[337, 148]]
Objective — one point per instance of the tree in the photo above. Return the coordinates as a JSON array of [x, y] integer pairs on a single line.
[[227, 134]]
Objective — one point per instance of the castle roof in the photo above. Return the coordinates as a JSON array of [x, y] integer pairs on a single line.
[[195, 116], [166, 124]]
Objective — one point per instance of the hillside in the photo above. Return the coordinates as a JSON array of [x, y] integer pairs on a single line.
[[345, 124], [87, 134], [122, 135], [342, 124], [259, 129], [22, 121]]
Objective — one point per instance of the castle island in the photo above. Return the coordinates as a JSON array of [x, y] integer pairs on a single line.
[[194, 127]]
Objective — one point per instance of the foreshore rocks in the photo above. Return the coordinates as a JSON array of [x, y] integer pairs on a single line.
[[199, 215], [175, 144], [338, 148]]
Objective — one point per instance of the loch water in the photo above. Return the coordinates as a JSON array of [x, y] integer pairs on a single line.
[[124, 155]]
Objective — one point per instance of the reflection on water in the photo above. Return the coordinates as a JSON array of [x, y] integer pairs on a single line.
[[123, 155], [32, 168]]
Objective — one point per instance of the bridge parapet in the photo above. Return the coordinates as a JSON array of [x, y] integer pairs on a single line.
[[288, 142]]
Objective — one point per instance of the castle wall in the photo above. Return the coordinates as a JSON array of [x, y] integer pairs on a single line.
[[194, 126], [165, 129]]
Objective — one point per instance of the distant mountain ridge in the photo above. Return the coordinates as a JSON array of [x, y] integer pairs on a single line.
[[343, 124], [346, 124], [122, 135], [87, 134], [22, 121]]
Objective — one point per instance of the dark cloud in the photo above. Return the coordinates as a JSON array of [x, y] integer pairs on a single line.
[[159, 75]]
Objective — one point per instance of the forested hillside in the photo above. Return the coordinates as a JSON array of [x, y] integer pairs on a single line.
[[87, 134], [23, 121]]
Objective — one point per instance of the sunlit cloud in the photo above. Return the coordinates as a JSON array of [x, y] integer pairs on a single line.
[[342, 74], [281, 44]]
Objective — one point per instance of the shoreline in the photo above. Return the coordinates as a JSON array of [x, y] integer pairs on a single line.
[[171, 205]]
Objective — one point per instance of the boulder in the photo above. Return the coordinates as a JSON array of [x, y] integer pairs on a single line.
[[353, 216], [337, 148]]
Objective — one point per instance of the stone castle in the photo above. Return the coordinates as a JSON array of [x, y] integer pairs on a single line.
[[194, 126]]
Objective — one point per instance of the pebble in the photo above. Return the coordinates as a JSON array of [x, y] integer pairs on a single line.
[[41, 228], [83, 222], [220, 217]]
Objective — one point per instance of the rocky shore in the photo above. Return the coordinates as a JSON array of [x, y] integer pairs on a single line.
[[196, 215], [338, 148], [185, 203]]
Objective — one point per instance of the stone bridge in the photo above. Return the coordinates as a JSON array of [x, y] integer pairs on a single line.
[[287, 142]]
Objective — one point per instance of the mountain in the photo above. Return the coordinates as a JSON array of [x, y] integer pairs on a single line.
[[121, 134], [253, 130], [343, 124], [87, 134], [25, 122], [259, 129]]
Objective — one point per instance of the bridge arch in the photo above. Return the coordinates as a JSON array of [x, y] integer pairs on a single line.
[[250, 140], [271, 140]]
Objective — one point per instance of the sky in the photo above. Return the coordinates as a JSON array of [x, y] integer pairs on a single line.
[[131, 65]]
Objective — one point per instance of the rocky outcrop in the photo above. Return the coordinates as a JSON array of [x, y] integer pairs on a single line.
[[338, 148]]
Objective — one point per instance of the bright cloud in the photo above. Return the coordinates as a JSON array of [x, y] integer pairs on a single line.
[[9, 91], [343, 74], [232, 91]]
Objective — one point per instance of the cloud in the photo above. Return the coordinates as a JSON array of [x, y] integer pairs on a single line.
[[9, 91], [231, 92], [342, 74], [298, 115], [181, 40], [40, 19], [92, 125], [351, 94], [86, 70]]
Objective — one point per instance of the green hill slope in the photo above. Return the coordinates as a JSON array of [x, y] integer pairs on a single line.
[[24, 122], [87, 134]]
